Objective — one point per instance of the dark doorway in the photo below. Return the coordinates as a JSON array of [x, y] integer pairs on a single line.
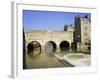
[[64, 46]]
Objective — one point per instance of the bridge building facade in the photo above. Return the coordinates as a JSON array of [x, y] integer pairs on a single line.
[[49, 41]]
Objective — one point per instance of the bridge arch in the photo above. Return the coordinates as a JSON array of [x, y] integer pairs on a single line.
[[33, 48], [50, 47], [64, 46]]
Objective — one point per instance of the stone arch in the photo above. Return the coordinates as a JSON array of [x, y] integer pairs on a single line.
[[33, 48], [64, 46], [50, 47]]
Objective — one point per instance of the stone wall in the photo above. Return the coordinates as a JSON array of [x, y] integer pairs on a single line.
[[44, 36]]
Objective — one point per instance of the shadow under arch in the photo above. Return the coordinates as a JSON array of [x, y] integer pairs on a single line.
[[50, 47], [34, 48], [64, 46]]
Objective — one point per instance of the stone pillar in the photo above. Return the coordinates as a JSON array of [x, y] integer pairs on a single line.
[[42, 50], [58, 49]]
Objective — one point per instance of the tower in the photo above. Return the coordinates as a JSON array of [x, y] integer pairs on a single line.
[[82, 32], [77, 24]]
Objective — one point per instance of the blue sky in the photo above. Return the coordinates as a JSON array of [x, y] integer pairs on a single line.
[[48, 20]]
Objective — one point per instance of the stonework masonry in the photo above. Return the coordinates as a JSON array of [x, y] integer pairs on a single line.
[[45, 36]]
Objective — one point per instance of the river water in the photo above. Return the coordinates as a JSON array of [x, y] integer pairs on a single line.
[[44, 60]]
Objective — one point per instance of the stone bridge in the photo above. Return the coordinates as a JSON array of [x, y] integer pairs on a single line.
[[56, 41]]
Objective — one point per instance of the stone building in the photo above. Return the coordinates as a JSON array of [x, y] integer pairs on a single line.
[[82, 37]]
